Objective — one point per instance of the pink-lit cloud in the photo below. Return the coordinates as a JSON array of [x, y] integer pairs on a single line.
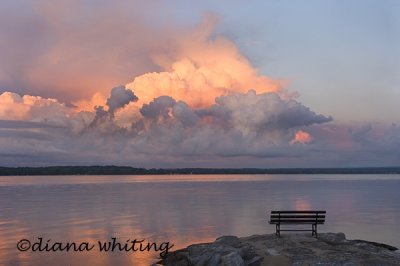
[[192, 99], [200, 69], [71, 50], [301, 137]]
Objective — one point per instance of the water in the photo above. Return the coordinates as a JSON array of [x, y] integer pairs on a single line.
[[182, 209]]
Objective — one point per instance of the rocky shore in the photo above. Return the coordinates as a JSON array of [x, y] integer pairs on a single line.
[[289, 249]]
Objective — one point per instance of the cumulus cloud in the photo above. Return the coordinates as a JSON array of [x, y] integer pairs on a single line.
[[240, 129], [184, 114], [254, 113], [201, 104], [238, 124], [28, 108], [251, 129], [74, 61], [158, 108], [119, 98], [199, 68]]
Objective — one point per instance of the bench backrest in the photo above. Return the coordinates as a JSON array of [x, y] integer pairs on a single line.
[[317, 217]]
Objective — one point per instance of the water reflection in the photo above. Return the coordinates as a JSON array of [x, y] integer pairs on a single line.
[[180, 209]]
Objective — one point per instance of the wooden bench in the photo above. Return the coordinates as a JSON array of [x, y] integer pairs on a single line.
[[297, 217]]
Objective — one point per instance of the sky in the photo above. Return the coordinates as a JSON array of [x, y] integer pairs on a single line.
[[200, 83]]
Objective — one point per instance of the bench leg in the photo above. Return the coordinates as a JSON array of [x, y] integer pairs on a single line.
[[278, 230], [314, 230]]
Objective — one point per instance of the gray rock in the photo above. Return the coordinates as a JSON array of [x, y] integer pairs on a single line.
[[299, 253], [223, 249], [247, 252], [294, 249], [232, 259], [255, 261], [272, 252], [197, 249], [232, 241], [378, 245], [215, 260], [203, 259], [172, 260], [332, 238]]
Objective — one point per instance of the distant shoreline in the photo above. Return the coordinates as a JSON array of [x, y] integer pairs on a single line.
[[126, 170]]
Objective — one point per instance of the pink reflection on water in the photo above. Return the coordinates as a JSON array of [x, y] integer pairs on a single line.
[[302, 204]]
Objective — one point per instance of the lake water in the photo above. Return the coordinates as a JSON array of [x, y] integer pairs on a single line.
[[181, 209]]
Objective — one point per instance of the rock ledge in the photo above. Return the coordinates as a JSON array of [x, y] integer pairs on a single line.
[[289, 249]]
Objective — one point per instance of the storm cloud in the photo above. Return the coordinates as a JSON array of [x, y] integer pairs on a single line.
[[190, 99], [239, 129]]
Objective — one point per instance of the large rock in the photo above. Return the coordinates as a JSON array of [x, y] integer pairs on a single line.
[[289, 249]]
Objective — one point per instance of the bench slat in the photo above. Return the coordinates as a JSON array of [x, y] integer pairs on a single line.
[[296, 216], [294, 212], [297, 221]]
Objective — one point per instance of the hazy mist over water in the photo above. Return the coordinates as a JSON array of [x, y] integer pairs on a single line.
[[182, 209]]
